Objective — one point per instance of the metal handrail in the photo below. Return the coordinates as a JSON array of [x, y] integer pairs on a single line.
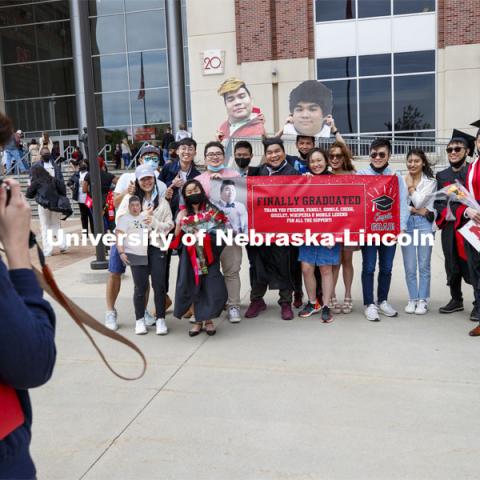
[[133, 161], [16, 166], [107, 148]]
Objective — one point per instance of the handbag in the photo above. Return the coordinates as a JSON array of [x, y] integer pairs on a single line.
[[89, 201]]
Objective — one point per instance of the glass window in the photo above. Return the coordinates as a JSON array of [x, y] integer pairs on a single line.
[[153, 108], [45, 41], [105, 7], [107, 34], [155, 73], [373, 8], [43, 114], [110, 73], [146, 31], [375, 104], [339, 67], [344, 104], [327, 10], [375, 65], [33, 13], [413, 6], [409, 62], [414, 102], [132, 5], [112, 109]]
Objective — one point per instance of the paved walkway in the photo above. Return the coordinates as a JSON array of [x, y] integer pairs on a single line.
[[265, 399]]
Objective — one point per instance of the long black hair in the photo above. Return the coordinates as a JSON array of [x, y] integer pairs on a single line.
[[426, 168], [204, 205]]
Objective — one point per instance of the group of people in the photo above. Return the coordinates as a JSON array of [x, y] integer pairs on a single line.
[[208, 277]]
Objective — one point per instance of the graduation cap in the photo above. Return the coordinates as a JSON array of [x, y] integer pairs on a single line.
[[476, 124], [465, 138], [383, 203]]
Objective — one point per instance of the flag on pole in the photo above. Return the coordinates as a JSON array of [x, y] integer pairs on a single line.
[[141, 92]]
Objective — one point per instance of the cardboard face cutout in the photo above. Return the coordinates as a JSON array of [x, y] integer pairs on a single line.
[[310, 104], [243, 118]]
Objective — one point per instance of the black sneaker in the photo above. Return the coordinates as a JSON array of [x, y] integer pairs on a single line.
[[474, 316], [452, 306], [326, 315], [309, 309]]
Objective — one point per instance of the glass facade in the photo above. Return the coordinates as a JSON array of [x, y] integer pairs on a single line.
[[129, 56], [36, 65], [383, 93]]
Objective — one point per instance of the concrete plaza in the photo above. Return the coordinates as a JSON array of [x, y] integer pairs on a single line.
[[265, 399]]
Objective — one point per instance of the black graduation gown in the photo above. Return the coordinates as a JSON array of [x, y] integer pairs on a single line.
[[454, 264], [209, 296], [273, 264]]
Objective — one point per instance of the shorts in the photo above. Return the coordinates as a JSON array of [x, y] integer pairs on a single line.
[[319, 255], [115, 264]]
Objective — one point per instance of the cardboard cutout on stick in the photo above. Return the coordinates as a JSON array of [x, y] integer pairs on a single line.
[[310, 105], [243, 119]]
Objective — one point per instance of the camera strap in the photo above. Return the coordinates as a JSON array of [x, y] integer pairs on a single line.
[[81, 317]]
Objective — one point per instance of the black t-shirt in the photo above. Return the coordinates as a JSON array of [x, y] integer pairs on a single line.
[[105, 180]]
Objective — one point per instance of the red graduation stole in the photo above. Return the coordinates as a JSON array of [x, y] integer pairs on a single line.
[[11, 413]]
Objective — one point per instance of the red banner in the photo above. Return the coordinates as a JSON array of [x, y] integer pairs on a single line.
[[324, 204]]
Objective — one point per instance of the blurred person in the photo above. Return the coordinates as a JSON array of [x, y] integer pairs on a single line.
[[167, 139], [126, 152], [46, 141], [79, 194], [34, 150], [117, 156], [182, 132]]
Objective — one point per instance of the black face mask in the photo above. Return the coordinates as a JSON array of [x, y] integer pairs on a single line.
[[83, 168], [242, 162], [458, 164], [194, 199], [45, 158], [378, 169]]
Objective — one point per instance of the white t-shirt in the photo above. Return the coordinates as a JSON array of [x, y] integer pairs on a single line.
[[48, 166], [82, 197], [126, 178], [133, 225]]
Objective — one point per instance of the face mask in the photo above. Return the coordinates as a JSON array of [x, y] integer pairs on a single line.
[[215, 169], [459, 163], [194, 199], [152, 162], [242, 162], [45, 158], [378, 169], [83, 168]]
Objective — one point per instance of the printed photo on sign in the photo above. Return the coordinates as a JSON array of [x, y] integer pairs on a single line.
[[230, 196], [310, 107], [471, 233]]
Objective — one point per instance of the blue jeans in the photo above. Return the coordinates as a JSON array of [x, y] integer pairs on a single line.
[[417, 256], [166, 156], [385, 258], [126, 159]]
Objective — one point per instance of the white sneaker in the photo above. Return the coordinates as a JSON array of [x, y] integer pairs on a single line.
[[411, 306], [111, 320], [162, 328], [387, 309], [150, 320], [422, 307], [371, 313], [234, 315], [140, 328]]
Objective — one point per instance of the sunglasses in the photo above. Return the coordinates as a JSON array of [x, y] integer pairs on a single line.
[[336, 156], [454, 149], [378, 154]]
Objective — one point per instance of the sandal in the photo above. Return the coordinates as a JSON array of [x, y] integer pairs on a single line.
[[347, 306], [195, 329], [210, 328], [335, 306]]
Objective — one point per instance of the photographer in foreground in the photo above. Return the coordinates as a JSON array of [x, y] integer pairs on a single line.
[[27, 322]]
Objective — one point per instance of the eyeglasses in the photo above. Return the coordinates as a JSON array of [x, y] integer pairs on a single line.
[[378, 154], [454, 149], [214, 155], [336, 156]]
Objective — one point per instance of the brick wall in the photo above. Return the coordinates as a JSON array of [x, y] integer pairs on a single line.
[[274, 29], [458, 22]]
